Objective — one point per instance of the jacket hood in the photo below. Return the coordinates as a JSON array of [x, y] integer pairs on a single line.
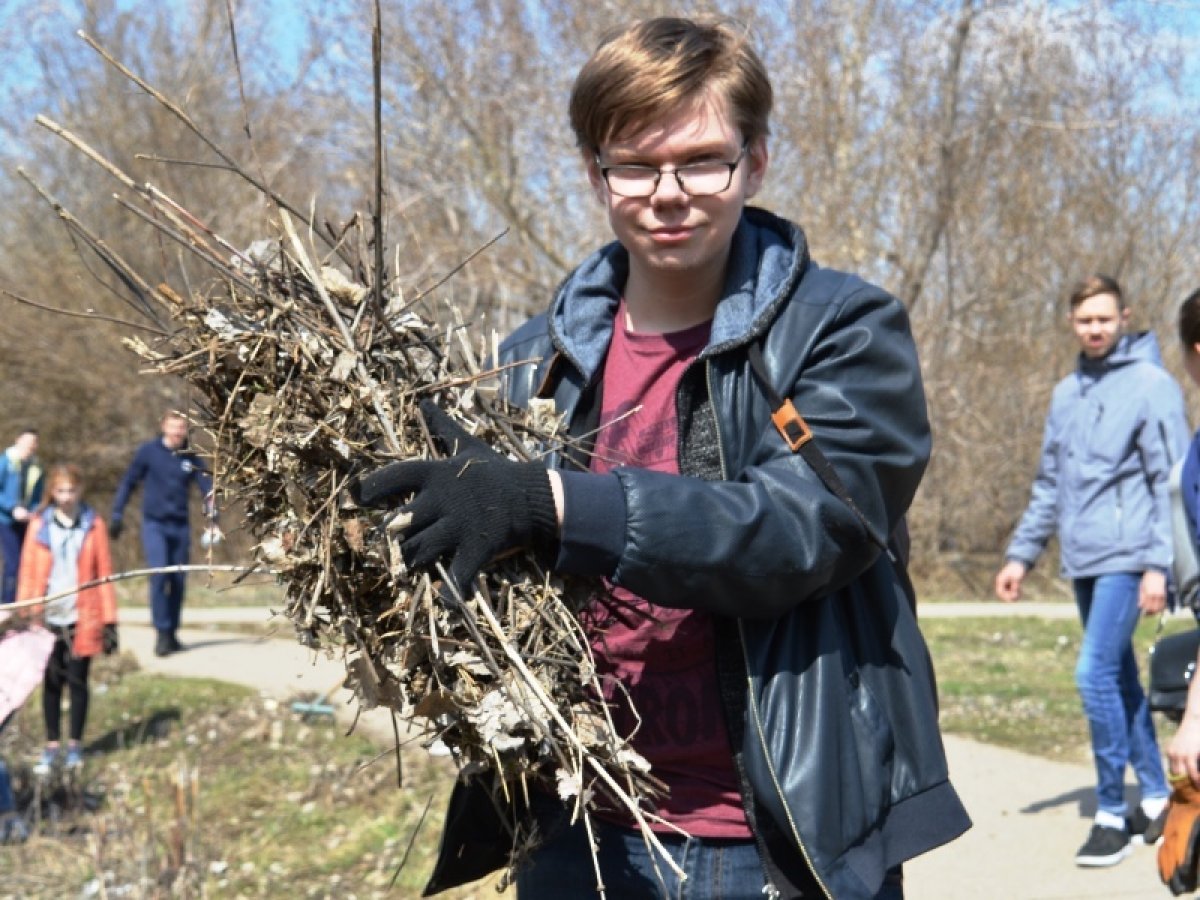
[[87, 518], [1139, 346], [767, 257]]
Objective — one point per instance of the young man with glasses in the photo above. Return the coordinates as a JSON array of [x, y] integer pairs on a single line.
[[751, 615]]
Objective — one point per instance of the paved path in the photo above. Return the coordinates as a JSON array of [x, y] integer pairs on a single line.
[[1030, 814]]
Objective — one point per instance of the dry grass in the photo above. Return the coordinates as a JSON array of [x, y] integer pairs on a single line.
[[202, 789]]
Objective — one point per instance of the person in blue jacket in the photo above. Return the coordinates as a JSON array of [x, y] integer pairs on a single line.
[[167, 469], [21, 478], [752, 615], [1116, 426], [1183, 753]]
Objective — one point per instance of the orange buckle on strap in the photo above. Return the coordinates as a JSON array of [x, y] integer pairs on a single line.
[[791, 426]]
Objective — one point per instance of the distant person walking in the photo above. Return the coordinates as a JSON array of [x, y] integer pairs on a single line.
[[20, 492], [1115, 427], [167, 468], [67, 546]]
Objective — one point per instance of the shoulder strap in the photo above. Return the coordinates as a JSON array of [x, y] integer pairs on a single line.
[[798, 436]]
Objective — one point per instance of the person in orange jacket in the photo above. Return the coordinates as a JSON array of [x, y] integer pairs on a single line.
[[66, 545]]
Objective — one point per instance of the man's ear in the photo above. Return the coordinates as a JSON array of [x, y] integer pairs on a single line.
[[595, 179], [757, 159]]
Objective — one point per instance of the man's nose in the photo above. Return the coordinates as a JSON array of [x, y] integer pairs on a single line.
[[668, 189]]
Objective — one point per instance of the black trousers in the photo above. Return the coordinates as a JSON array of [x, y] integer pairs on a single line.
[[65, 669]]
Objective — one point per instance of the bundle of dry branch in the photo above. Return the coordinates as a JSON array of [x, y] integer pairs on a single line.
[[304, 382], [305, 379], [306, 369]]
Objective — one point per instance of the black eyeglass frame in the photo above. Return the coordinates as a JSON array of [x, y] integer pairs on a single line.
[[680, 172]]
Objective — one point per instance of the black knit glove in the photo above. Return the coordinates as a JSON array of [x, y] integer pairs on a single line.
[[469, 508], [110, 640], [114, 529]]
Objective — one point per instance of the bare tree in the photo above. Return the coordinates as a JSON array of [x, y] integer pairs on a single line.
[[976, 157]]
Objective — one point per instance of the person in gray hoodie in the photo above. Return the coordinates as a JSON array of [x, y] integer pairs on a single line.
[[1116, 426]]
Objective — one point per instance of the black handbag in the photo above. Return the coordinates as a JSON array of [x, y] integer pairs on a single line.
[[1172, 663]]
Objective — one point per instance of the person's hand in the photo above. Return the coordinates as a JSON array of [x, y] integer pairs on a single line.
[[1177, 853], [469, 508], [211, 536], [1183, 753], [20, 514], [1008, 581], [110, 640], [115, 527], [1152, 593]]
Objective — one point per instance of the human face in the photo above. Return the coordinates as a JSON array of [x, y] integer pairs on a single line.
[[670, 232], [26, 445], [1098, 322], [174, 432], [66, 496]]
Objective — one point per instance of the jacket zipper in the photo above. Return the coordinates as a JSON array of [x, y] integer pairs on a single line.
[[752, 705]]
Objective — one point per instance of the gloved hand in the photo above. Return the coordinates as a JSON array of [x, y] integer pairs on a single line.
[[1177, 854], [211, 537], [110, 639], [115, 527], [469, 508]]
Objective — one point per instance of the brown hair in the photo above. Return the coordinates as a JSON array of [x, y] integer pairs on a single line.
[[649, 69], [68, 472], [1189, 321], [1093, 286]]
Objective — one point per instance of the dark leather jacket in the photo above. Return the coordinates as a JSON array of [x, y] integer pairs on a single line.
[[827, 684]]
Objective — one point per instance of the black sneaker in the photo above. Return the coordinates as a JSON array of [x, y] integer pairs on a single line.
[[162, 646], [1104, 847], [173, 643], [1145, 830]]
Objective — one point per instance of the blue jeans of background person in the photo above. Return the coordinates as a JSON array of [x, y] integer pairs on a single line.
[[7, 802], [12, 536], [167, 543], [716, 869], [1106, 674]]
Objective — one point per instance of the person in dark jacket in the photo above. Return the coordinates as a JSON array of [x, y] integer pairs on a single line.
[[1115, 427], [753, 618], [1183, 753], [167, 469]]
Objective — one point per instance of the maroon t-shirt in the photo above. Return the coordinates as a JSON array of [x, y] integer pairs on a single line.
[[663, 658]]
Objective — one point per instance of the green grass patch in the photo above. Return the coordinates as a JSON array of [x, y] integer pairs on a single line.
[[196, 788], [1011, 681]]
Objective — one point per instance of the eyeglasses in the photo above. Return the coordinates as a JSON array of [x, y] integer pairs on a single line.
[[699, 179]]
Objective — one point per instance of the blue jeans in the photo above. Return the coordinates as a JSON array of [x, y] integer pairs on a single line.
[[716, 869], [166, 544], [1113, 700], [12, 536], [7, 802]]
